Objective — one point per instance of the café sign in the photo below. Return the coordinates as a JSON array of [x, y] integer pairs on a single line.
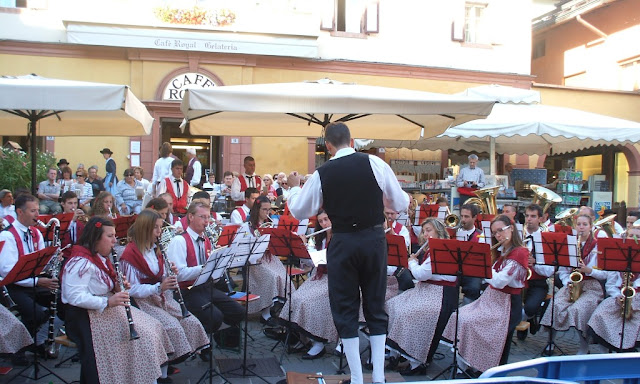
[[174, 91]]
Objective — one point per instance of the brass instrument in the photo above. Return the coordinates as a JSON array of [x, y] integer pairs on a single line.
[[565, 218], [606, 224], [576, 277], [452, 221], [213, 232], [486, 200], [169, 273], [627, 292], [544, 197], [168, 233], [133, 335]]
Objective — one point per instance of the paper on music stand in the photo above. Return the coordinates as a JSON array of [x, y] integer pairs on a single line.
[[566, 248], [302, 227], [215, 266], [258, 248], [403, 219], [319, 257], [486, 232], [520, 228], [443, 212]]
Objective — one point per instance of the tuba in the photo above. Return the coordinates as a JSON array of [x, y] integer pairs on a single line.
[[576, 277], [565, 218], [544, 197], [628, 292], [486, 200], [606, 224]]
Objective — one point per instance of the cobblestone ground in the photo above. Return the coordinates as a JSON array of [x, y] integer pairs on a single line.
[[192, 370]]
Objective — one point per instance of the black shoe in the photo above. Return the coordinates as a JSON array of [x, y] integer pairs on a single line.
[[276, 333], [472, 373], [172, 370], [307, 356], [393, 363], [419, 370], [165, 380], [297, 347], [535, 325], [204, 354]]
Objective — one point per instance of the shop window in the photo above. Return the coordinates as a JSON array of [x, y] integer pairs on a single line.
[[31, 4], [539, 49], [344, 17]]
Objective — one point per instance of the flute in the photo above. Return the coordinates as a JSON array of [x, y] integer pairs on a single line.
[[425, 245], [133, 335], [167, 267], [318, 232]]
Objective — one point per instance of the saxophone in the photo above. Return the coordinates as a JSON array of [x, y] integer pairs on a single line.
[[576, 277], [628, 292]]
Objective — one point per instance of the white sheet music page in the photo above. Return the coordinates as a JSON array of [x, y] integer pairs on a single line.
[[318, 257]]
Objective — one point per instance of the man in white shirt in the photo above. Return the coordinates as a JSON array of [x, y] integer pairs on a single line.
[[471, 178], [189, 251], [193, 173], [471, 286], [240, 214], [22, 238], [177, 187], [6, 204], [248, 179], [353, 188]]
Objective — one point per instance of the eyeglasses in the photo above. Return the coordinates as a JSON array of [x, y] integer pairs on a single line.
[[500, 230], [128, 174], [204, 217], [79, 175]]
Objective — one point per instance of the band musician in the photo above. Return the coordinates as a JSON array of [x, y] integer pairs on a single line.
[[177, 187], [240, 214], [471, 286], [248, 179]]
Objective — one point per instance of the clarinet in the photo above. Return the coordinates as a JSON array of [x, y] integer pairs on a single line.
[[55, 267], [169, 272], [133, 335], [7, 301]]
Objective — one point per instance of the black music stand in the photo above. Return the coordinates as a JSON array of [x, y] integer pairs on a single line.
[[247, 252], [459, 258], [621, 255], [283, 242], [30, 266], [213, 269], [558, 250]]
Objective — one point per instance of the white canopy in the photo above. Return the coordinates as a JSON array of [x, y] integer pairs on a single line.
[[70, 108], [529, 129], [289, 109]]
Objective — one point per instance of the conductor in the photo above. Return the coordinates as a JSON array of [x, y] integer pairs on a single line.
[[353, 188]]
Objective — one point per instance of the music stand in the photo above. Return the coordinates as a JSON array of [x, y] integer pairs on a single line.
[[558, 250], [286, 243], [482, 217], [426, 210], [30, 266], [122, 224], [459, 258], [228, 234], [47, 232], [213, 269], [621, 255], [563, 229], [247, 252]]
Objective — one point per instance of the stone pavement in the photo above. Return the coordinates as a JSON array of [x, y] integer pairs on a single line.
[[192, 370]]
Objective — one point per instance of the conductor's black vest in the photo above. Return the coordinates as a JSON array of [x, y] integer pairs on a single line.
[[350, 193]]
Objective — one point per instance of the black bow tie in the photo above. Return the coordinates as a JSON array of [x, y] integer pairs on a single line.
[[249, 177], [200, 239], [178, 180]]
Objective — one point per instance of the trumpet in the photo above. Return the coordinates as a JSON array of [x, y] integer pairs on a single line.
[[627, 292], [169, 272], [576, 278], [133, 335]]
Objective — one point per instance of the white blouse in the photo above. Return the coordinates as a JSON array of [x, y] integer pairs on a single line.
[[508, 275], [87, 289], [423, 271], [565, 272], [138, 289]]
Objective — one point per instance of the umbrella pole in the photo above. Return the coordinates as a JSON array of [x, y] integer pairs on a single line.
[[32, 131], [492, 155]]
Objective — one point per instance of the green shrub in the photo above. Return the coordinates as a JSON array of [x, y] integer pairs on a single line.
[[15, 168]]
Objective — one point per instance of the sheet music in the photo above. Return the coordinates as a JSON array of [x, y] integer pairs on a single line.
[[302, 227], [417, 216], [259, 248], [403, 219], [520, 228], [443, 212], [215, 266], [573, 249], [486, 232], [319, 257]]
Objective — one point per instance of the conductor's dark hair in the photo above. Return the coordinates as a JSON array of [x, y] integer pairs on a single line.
[[471, 208], [534, 207], [177, 163], [23, 199], [337, 134], [249, 191], [93, 232]]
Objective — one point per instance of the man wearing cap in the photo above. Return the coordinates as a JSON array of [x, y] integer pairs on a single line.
[[61, 163], [193, 174], [110, 180]]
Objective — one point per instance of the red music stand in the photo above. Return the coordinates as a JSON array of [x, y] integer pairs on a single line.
[[459, 258], [397, 254], [428, 210], [29, 266], [122, 224], [289, 222], [453, 232], [552, 248], [621, 255], [63, 218], [563, 229], [283, 242], [483, 217], [228, 234]]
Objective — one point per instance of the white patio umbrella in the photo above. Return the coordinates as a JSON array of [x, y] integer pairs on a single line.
[[37, 106], [303, 109], [519, 125]]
